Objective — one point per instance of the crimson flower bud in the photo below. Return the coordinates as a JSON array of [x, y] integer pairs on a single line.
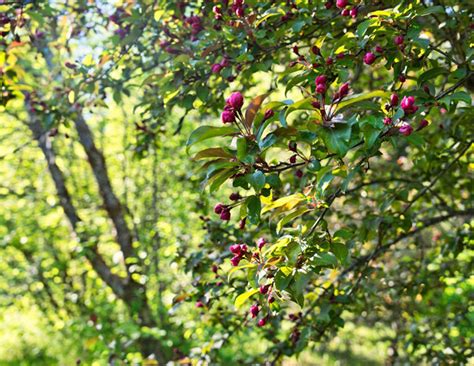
[[262, 322], [243, 248], [264, 289], [402, 78], [398, 40], [316, 50], [214, 268], [354, 12], [387, 121], [236, 100], [316, 104], [242, 223], [394, 100], [321, 88], [341, 3], [293, 159], [329, 61], [225, 215], [235, 260], [340, 55], [378, 49], [235, 249], [217, 10], [261, 242], [219, 208], [344, 89], [423, 124], [216, 68], [271, 299], [228, 116], [405, 129], [299, 174], [238, 2], [296, 50], [345, 12], [336, 96], [292, 146], [254, 310], [199, 304], [268, 114], [240, 12], [235, 196], [369, 58], [426, 89], [70, 65], [321, 79]]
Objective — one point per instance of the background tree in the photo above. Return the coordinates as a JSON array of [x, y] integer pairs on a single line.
[[341, 178]]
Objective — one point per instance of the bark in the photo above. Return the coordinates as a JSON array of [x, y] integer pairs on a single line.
[[128, 290]]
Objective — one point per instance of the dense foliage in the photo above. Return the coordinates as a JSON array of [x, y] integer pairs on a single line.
[[237, 182]]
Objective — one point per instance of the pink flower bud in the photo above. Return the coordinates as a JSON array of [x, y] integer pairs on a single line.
[[243, 248], [264, 289], [341, 3], [236, 100], [254, 310], [354, 12], [398, 40], [345, 12], [408, 105], [387, 121], [262, 322], [216, 68], [199, 304], [369, 58], [405, 129], [228, 116], [261, 242]]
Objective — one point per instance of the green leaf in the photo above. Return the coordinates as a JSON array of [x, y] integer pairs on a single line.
[[298, 287], [253, 208], [431, 10], [242, 298], [299, 212], [220, 178], [431, 74], [213, 152], [336, 139], [340, 251], [206, 132], [256, 180], [291, 201], [283, 278], [241, 148], [356, 98], [325, 260]]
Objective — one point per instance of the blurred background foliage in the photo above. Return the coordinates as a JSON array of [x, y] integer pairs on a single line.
[[109, 62]]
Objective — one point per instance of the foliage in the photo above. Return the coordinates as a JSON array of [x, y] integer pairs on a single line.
[[333, 140]]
